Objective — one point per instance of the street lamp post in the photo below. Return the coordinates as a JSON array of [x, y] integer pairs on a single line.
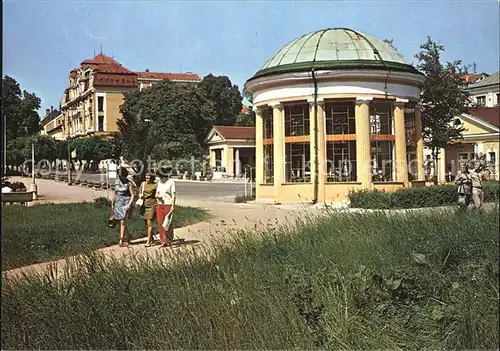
[[34, 188]]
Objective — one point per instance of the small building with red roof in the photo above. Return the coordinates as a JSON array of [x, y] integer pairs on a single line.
[[231, 149]]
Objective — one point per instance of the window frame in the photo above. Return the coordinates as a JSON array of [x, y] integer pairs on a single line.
[[378, 173], [333, 124], [338, 175], [289, 117], [291, 159]]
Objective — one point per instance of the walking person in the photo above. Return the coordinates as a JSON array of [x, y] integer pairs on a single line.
[[464, 187], [165, 196], [122, 203], [148, 209], [476, 178]]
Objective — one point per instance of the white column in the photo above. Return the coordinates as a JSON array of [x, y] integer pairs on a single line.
[[238, 162], [223, 158]]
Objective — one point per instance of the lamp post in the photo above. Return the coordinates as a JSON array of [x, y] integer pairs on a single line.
[[34, 189], [69, 163]]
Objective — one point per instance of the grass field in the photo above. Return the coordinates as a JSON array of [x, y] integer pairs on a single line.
[[346, 281], [46, 232]]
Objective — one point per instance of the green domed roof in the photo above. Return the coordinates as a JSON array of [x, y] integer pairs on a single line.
[[335, 48]]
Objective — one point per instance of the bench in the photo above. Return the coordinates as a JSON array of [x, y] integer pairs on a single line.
[[21, 197]]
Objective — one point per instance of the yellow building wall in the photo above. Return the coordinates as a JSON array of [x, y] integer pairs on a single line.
[[472, 128], [113, 103], [388, 186], [264, 191], [295, 192], [339, 192]]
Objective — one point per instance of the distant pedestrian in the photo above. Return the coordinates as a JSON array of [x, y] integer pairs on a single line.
[[464, 187], [147, 193], [476, 175], [165, 196], [123, 201]]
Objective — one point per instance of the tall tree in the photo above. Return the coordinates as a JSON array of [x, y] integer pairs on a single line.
[[166, 121], [225, 96], [443, 99], [19, 109]]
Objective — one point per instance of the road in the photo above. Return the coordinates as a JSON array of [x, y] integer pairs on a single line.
[[215, 191]]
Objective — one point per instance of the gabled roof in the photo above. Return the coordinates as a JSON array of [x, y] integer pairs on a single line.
[[169, 76], [494, 79], [473, 77], [233, 132], [123, 80], [490, 115]]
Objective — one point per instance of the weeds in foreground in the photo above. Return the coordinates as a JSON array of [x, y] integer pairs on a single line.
[[350, 281]]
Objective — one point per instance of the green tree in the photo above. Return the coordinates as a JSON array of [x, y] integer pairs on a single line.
[[166, 121], [246, 118], [443, 99], [19, 110], [225, 96]]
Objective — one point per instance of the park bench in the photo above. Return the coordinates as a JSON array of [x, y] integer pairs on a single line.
[[21, 197]]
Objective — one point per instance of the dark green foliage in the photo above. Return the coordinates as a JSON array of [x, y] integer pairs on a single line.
[[19, 110], [47, 232], [225, 96], [243, 198], [343, 281], [167, 121], [433, 196], [443, 98]]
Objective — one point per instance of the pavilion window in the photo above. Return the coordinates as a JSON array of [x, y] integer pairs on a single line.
[[340, 118], [411, 140], [296, 120], [268, 164], [297, 166], [341, 161], [267, 116], [382, 144], [382, 161]]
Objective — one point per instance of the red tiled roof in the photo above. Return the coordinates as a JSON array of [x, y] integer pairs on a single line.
[[490, 115], [472, 77], [236, 132], [114, 69], [244, 109], [123, 80], [170, 76], [101, 59]]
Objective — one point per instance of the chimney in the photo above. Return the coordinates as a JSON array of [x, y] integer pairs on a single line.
[[47, 111], [51, 108], [147, 69]]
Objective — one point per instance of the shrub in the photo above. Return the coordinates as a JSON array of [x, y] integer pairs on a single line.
[[243, 198], [432, 196]]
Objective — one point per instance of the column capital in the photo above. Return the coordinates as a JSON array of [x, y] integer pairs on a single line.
[[418, 105], [318, 100], [363, 99], [277, 105], [399, 101], [257, 109]]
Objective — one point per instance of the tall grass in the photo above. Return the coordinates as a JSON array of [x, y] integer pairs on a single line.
[[350, 281], [46, 232]]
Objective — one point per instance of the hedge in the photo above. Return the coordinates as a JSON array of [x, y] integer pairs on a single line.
[[432, 196]]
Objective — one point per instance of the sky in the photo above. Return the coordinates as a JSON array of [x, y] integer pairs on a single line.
[[43, 40]]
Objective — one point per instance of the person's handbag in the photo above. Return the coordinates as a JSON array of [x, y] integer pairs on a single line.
[[167, 222], [140, 202]]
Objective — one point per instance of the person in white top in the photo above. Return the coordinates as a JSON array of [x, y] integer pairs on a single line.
[[165, 203]]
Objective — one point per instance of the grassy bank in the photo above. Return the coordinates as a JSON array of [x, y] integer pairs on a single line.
[[367, 281], [46, 232]]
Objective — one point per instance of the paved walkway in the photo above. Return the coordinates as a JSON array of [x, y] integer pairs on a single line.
[[226, 218]]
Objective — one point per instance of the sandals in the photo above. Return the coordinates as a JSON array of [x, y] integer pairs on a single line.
[[123, 242]]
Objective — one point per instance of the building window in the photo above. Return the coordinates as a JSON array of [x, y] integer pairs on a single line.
[[100, 103], [481, 100], [100, 123], [296, 120], [340, 118], [410, 126], [297, 158], [498, 99], [381, 118], [267, 115], [268, 164], [341, 161], [382, 161], [411, 155]]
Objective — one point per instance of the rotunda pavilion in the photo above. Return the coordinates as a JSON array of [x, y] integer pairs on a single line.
[[336, 110]]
